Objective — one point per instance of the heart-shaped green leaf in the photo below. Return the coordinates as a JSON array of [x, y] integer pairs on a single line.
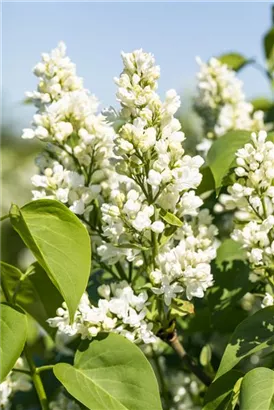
[[12, 338], [60, 243], [257, 390], [111, 373]]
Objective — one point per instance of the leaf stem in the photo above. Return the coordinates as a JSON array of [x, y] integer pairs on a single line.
[[2, 218], [44, 368]]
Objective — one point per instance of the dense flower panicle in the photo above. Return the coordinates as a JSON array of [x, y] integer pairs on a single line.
[[252, 195], [80, 139], [221, 102], [14, 382], [157, 178], [119, 310]]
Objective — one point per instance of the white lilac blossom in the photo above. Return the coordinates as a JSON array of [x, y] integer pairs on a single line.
[[79, 139], [156, 178], [184, 264], [268, 300], [62, 402], [252, 196], [120, 310], [14, 382], [222, 104]]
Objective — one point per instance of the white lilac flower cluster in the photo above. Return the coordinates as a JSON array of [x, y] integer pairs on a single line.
[[14, 382], [62, 402], [184, 264], [120, 311], [157, 184], [221, 102], [80, 139], [252, 195]]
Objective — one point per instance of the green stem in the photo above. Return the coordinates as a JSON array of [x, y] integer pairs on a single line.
[[38, 384], [44, 368], [4, 217], [34, 375]]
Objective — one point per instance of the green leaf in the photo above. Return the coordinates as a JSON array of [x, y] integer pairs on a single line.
[[170, 218], [205, 355], [228, 252], [181, 307], [235, 61], [231, 283], [35, 293], [111, 373], [269, 43], [220, 391], [257, 390], [13, 337], [221, 155], [262, 104], [255, 333], [207, 183], [60, 243]]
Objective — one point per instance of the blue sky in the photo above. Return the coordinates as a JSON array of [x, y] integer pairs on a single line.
[[95, 33]]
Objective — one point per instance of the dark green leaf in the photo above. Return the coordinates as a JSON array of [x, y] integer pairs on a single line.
[[221, 155], [12, 337], [111, 373], [255, 333], [269, 43], [35, 294], [257, 390], [221, 391], [61, 244], [207, 183]]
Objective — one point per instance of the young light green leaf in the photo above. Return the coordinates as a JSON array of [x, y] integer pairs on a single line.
[[222, 154], [36, 294], [181, 307], [253, 334], [111, 373], [12, 337], [220, 391], [257, 390], [170, 218], [235, 61], [60, 243], [205, 355]]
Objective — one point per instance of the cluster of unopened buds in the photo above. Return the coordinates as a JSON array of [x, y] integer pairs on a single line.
[[222, 104]]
